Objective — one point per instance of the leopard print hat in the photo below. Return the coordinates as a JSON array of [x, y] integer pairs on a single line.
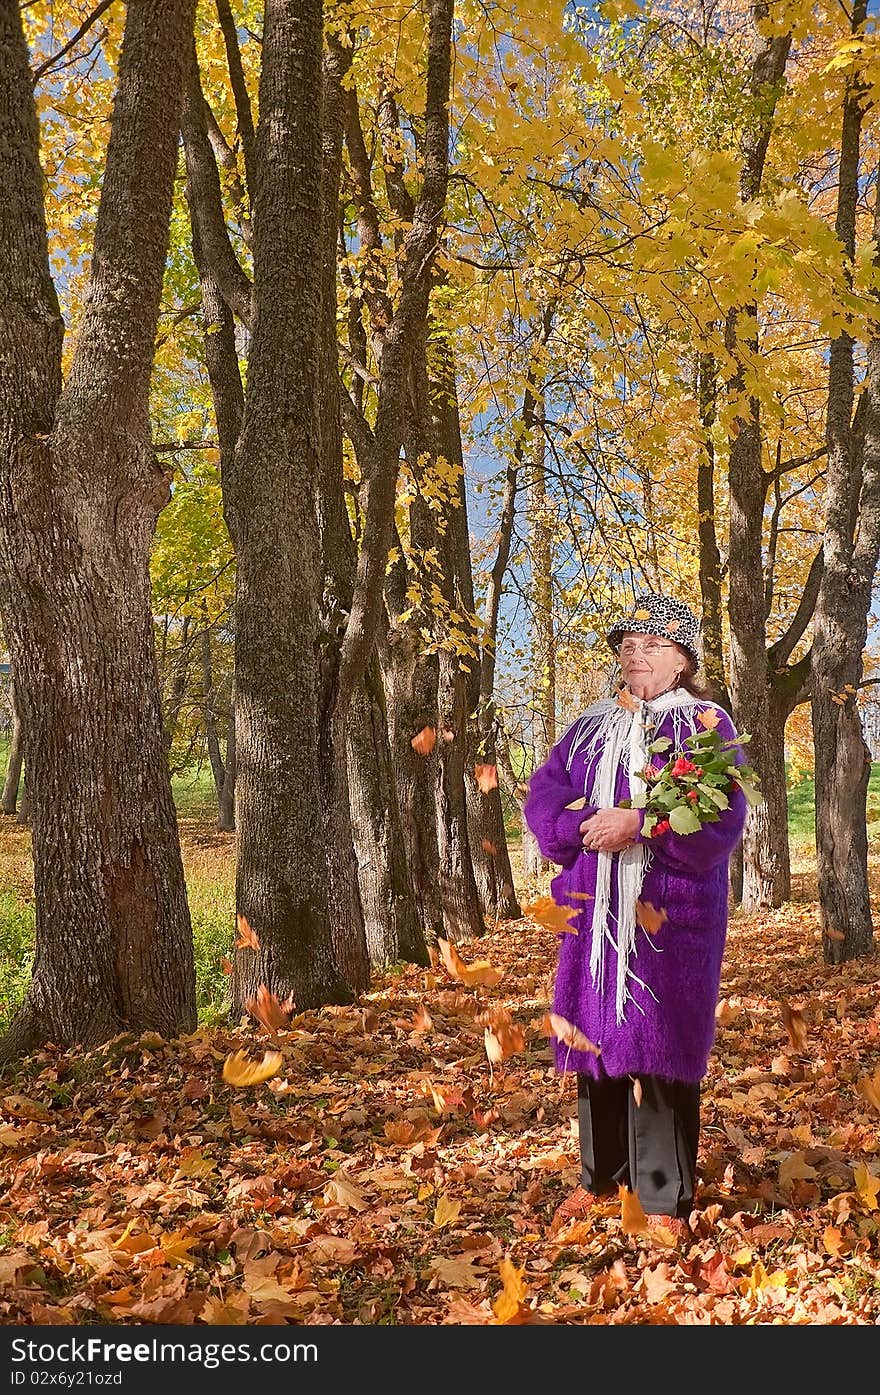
[[653, 614]]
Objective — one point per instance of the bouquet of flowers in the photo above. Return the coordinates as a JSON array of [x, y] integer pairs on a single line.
[[694, 785]]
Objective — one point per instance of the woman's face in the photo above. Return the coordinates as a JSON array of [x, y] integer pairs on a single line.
[[649, 662]]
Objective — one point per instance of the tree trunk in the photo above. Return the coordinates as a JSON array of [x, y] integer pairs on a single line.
[[9, 799], [391, 914], [843, 761], [339, 566], [281, 874], [710, 555], [411, 696], [226, 819], [77, 472], [765, 862], [209, 716]]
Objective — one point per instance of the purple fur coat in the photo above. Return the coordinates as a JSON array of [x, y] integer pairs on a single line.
[[673, 1033]]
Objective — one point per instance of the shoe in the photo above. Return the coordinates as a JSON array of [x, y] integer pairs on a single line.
[[675, 1227], [579, 1204]]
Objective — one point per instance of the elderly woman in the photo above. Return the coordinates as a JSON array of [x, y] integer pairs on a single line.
[[645, 1000]]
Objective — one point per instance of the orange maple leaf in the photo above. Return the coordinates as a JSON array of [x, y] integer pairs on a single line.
[[551, 915], [649, 917], [626, 699], [633, 1220], [246, 937], [708, 718], [226, 964], [269, 1011], [421, 1021], [568, 1033], [486, 777], [238, 1069], [503, 1041], [480, 972], [869, 1088], [424, 742], [509, 1307], [795, 1026]]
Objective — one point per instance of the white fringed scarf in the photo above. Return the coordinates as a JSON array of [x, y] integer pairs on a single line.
[[622, 735]]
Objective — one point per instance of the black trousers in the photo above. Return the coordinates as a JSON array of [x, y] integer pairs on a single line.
[[651, 1146]]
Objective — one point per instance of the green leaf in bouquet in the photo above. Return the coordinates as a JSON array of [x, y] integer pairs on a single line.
[[647, 824], [625, 804], [755, 797], [661, 744], [684, 820], [639, 800], [717, 796]]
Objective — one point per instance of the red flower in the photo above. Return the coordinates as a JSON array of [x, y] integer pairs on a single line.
[[650, 772], [692, 794]]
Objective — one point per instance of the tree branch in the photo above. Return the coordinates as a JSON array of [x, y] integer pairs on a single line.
[[243, 109], [206, 200], [31, 327], [110, 375], [71, 43]]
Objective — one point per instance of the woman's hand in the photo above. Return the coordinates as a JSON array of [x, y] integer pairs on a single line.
[[611, 830]]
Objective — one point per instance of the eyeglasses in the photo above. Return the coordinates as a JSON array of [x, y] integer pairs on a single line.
[[628, 648]]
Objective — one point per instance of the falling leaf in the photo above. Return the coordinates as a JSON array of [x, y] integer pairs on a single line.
[[422, 1021], [673, 627], [577, 804], [569, 1034], [239, 1069], [726, 1012], [480, 972], [226, 965], [637, 1092], [642, 614], [488, 847], [836, 935], [633, 1220], [246, 937], [504, 1041], [547, 912], [424, 743], [795, 1026], [649, 917], [509, 1306], [269, 1012], [869, 1087], [708, 718], [486, 777], [446, 1212], [626, 699]]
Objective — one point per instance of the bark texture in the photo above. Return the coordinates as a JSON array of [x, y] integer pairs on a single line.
[[281, 874], [765, 841], [80, 491], [850, 550]]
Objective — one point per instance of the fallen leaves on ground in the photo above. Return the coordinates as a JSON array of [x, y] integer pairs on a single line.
[[386, 1174]]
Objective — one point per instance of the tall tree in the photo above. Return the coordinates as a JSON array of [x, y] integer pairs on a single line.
[[281, 875], [765, 842], [80, 491], [850, 549]]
